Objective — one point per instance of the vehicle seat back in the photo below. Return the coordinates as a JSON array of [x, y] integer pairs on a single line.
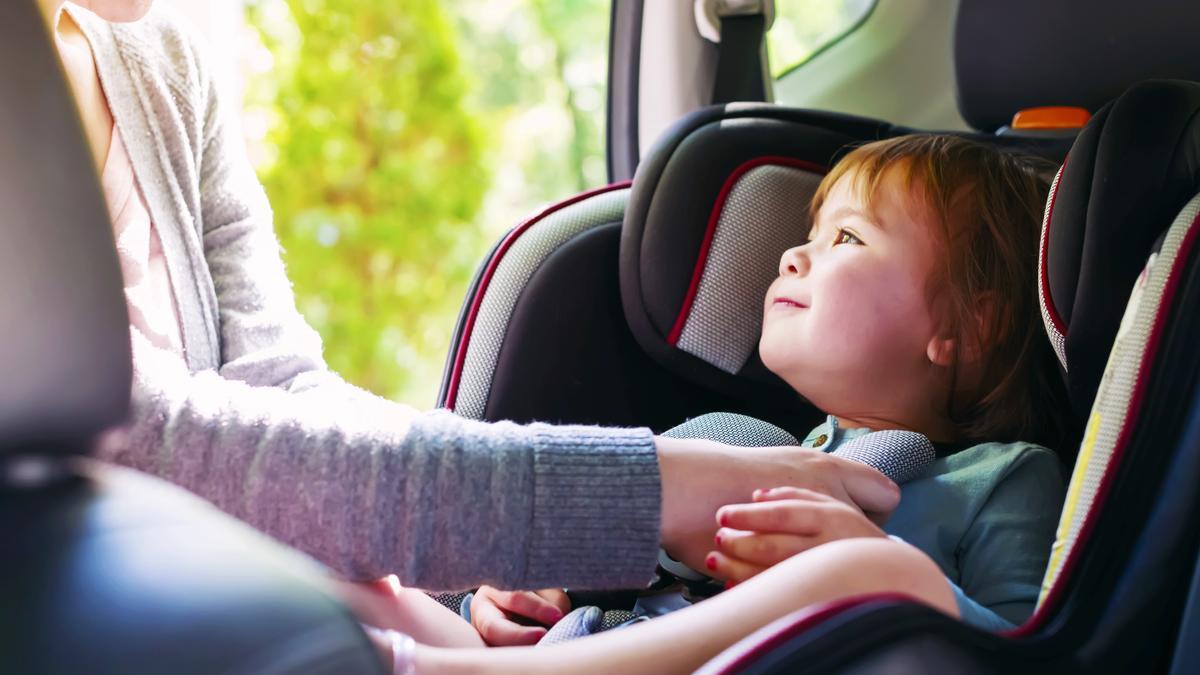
[[1122, 222], [1019, 54]]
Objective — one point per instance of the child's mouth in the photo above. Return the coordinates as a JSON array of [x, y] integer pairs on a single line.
[[786, 302]]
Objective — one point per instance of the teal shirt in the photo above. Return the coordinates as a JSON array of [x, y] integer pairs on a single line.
[[986, 515]]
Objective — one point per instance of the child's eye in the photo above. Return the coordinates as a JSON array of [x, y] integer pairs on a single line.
[[846, 237]]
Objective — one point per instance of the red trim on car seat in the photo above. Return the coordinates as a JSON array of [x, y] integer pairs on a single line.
[[1042, 615], [702, 259], [464, 340], [750, 649], [1044, 277]]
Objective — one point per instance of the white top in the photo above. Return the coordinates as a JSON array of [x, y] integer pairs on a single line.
[[152, 308]]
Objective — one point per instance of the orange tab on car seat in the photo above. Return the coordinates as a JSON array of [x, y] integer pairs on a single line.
[[1051, 117]]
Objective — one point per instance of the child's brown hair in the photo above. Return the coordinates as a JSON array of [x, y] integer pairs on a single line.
[[987, 205]]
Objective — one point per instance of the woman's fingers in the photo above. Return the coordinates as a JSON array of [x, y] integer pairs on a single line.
[[763, 550], [731, 570], [789, 516]]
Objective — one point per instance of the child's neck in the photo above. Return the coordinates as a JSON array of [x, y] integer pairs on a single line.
[[937, 428]]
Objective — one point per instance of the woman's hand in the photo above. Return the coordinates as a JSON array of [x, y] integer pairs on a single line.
[[698, 477], [493, 612], [779, 524]]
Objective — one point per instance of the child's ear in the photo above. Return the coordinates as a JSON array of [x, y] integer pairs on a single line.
[[987, 322], [942, 351]]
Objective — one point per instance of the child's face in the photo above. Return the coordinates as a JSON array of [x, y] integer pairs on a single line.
[[847, 323]]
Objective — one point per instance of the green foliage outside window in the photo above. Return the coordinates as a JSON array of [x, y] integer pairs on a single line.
[[404, 137]]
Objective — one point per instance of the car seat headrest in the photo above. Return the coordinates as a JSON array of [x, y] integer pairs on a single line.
[[1020, 54], [64, 349], [1128, 175], [713, 206]]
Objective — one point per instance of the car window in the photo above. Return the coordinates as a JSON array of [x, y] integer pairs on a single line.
[[802, 28], [397, 140]]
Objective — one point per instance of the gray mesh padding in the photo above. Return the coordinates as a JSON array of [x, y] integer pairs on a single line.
[[508, 282], [899, 455], [733, 429], [764, 214], [1110, 412], [1057, 339], [578, 623], [452, 601]]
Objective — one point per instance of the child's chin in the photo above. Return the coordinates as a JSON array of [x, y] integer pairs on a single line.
[[777, 360]]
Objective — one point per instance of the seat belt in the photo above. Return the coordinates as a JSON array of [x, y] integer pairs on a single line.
[[739, 28]]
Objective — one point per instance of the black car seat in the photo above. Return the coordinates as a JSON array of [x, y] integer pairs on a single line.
[[103, 570], [1120, 283], [548, 363]]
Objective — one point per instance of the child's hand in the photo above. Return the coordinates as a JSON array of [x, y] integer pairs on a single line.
[[493, 612], [779, 524]]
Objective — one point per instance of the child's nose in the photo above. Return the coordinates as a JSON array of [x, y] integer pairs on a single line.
[[794, 262]]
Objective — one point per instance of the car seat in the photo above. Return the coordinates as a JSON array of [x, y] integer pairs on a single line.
[[674, 215], [1121, 222], [105, 570]]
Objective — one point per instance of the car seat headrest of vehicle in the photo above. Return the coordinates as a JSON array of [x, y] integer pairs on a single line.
[[64, 349], [1128, 175], [712, 208], [1027, 53]]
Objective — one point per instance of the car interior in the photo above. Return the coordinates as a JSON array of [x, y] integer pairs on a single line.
[[638, 303]]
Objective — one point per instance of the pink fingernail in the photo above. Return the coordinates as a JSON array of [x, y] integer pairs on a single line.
[[717, 538], [551, 616], [711, 562], [730, 584]]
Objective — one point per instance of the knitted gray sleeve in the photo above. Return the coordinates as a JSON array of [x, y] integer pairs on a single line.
[[370, 488]]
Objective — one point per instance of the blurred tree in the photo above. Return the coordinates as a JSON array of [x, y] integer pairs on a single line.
[[542, 69], [376, 171]]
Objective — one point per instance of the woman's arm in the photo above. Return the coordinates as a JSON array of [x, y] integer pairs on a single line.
[[263, 338], [371, 487]]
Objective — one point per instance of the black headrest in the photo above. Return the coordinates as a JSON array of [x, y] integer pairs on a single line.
[[714, 204], [64, 346], [1020, 54], [1129, 174]]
